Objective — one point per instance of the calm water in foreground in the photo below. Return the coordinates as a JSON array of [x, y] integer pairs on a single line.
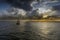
[[29, 30]]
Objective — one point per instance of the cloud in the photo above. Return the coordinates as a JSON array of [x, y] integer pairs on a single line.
[[22, 4]]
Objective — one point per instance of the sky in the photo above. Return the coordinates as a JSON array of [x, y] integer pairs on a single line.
[[5, 7]]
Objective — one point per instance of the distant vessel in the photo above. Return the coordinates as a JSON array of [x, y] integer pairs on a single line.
[[18, 22]]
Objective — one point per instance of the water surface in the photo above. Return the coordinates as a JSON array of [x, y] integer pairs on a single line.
[[32, 30]]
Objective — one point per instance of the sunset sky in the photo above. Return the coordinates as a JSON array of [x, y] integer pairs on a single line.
[[45, 6]]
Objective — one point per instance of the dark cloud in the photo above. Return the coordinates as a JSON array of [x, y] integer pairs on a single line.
[[56, 7], [23, 4]]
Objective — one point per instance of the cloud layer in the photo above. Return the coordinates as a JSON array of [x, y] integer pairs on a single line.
[[23, 7]]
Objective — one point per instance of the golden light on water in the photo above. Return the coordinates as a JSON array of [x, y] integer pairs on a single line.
[[45, 28]]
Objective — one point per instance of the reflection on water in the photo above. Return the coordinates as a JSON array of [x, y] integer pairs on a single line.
[[30, 30]]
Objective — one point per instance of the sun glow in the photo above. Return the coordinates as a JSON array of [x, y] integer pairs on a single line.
[[45, 16]]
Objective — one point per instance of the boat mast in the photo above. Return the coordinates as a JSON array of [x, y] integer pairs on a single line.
[[18, 18]]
